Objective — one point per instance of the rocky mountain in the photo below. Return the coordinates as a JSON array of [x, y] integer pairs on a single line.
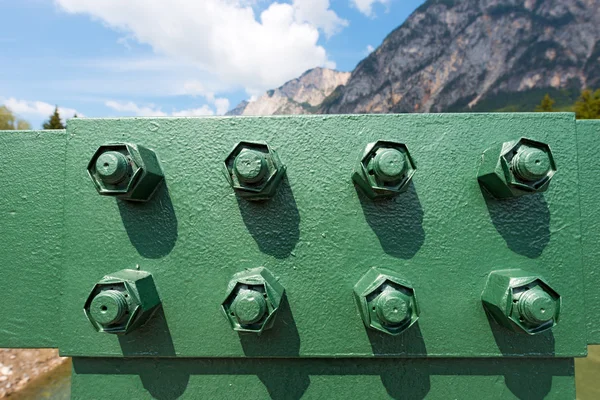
[[299, 96], [460, 55]]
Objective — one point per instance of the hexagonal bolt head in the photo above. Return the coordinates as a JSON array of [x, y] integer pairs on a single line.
[[384, 169], [254, 170], [516, 168], [386, 302], [127, 171], [122, 302], [253, 298], [521, 301]]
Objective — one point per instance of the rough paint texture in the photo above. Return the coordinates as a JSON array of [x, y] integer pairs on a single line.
[[588, 135], [31, 220], [319, 236]]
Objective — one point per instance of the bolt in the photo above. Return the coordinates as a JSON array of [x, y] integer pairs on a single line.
[[392, 307], [536, 306], [250, 166], [125, 170], [389, 164], [108, 307], [531, 164], [249, 306], [386, 302], [516, 168], [112, 167]]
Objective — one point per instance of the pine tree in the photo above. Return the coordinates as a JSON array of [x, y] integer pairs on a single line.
[[588, 105], [54, 122], [547, 104]]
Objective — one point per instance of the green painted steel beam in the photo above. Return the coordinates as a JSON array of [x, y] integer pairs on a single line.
[[588, 137], [32, 166], [323, 378], [320, 234]]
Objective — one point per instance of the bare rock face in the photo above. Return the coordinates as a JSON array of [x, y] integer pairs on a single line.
[[451, 55], [299, 96]]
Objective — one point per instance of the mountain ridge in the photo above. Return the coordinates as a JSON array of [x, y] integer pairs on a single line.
[[471, 55], [302, 95]]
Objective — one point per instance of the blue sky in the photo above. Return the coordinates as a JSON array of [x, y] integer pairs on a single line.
[[105, 58]]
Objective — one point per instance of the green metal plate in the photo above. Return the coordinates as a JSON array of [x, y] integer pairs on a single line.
[[588, 136], [31, 220], [319, 236], [320, 379]]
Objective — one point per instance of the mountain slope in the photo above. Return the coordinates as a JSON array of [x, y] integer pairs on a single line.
[[458, 55], [299, 96]]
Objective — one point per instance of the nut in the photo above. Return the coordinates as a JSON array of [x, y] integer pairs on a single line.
[[127, 171], [521, 301], [254, 170], [122, 302], [253, 298], [386, 302], [385, 169], [517, 168]]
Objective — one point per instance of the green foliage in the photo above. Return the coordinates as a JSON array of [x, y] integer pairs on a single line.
[[525, 101], [547, 104], [8, 121], [588, 105], [54, 122]]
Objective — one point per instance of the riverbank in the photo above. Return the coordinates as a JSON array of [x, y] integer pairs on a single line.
[[21, 367]]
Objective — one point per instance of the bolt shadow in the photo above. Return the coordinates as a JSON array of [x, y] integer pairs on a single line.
[[410, 342], [153, 339], [397, 222], [282, 340], [521, 344], [152, 225], [526, 378], [274, 224], [530, 383], [523, 222], [526, 383]]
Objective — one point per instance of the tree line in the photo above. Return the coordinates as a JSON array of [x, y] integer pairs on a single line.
[[587, 107], [9, 121]]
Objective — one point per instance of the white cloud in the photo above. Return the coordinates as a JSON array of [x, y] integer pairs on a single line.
[[195, 112], [197, 88], [224, 39], [366, 6], [152, 110], [370, 49], [36, 109], [318, 13], [222, 106], [130, 107]]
